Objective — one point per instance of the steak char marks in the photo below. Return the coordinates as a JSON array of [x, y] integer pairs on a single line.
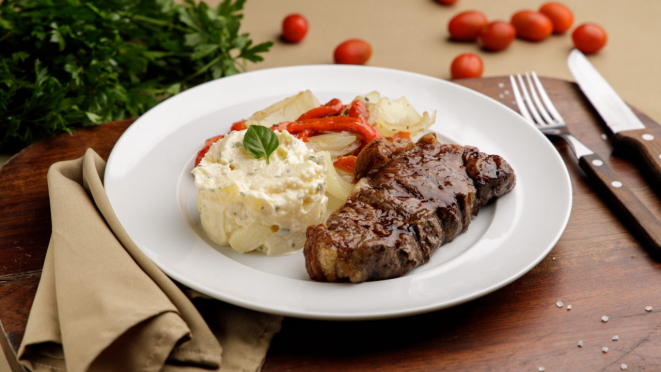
[[409, 200]]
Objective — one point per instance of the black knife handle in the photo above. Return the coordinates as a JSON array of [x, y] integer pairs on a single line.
[[647, 145], [626, 205]]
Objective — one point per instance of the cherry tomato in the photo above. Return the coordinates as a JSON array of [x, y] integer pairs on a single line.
[[447, 2], [467, 65], [533, 26], [589, 38], [294, 28], [561, 17], [498, 35], [352, 52], [466, 26]]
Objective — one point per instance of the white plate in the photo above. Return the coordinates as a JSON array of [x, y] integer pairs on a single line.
[[151, 189]]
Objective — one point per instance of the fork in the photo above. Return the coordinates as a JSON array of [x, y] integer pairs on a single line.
[[549, 121]]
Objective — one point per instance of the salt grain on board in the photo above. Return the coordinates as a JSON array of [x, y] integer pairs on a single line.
[[580, 343], [541, 369], [623, 366], [604, 318], [616, 337], [568, 307], [559, 304], [501, 85], [604, 349], [648, 309]]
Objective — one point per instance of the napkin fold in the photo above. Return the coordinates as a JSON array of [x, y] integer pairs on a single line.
[[102, 305]]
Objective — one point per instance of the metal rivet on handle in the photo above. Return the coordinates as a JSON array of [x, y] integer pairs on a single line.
[[597, 163], [648, 137], [616, 184]]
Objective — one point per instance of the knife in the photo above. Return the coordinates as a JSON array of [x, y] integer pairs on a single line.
[[628, 131]]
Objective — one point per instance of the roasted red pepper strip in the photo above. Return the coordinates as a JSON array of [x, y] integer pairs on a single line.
[[303, 136], [358, 110], [333, 107], [346, 163], [207, 144], [400, 135], [333, 124], [283, 126], [239, 125]]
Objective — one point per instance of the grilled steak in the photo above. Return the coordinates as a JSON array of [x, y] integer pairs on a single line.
[[410, 199]]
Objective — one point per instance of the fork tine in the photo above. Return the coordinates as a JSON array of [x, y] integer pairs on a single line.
[[540, 108], [519, 100], [526, 98], [547, 101]]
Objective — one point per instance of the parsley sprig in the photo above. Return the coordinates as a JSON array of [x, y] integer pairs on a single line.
[[67, 63]]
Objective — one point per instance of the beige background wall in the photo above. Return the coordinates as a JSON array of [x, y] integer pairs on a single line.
[[412, 35]]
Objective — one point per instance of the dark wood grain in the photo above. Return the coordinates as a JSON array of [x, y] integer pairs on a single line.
[[597, 266], [645, 147], [25, 228], [16, 295], [631, 211]]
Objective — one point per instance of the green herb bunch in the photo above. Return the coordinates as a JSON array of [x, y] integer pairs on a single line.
[[67, 63]]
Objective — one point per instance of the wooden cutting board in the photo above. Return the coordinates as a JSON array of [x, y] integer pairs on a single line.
[[597, 267]]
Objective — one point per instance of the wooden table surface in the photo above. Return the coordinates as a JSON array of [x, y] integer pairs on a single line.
[[597, 267]]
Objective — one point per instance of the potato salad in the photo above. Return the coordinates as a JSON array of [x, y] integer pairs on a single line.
[[251, 205]]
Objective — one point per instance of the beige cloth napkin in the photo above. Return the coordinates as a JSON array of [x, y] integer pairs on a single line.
[[102, 305]]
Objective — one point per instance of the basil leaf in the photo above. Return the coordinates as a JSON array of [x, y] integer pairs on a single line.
[[260, 142]]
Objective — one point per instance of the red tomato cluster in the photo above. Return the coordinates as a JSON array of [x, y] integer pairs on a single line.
[[535, 26]]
